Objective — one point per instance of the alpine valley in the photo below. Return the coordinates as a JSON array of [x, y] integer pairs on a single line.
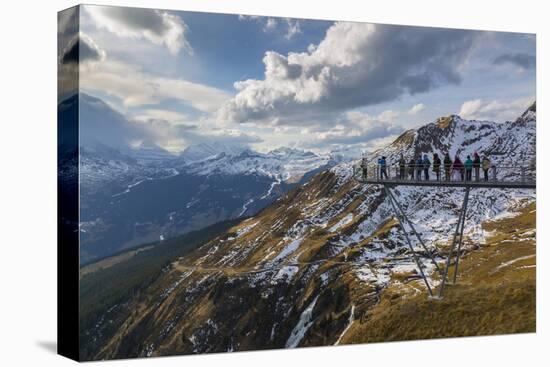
[[134, 195]]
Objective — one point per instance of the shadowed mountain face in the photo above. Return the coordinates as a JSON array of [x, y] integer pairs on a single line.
[[328, 256], [133, 195]]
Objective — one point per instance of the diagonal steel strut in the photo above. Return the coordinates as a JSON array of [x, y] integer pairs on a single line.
[[415, 257], [404, 216], [458, 232], [460, 238]]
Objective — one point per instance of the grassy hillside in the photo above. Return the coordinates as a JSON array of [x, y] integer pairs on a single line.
[[110, 281], [495, 293]]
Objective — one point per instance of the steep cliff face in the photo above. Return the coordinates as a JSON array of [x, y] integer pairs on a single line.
[[301, 271]]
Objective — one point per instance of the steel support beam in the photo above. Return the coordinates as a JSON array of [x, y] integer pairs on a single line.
[[458, 232], [461, 233], [415, 257], [392, 197]]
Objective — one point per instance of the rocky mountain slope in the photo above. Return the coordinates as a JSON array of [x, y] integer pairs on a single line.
[[306, 268]]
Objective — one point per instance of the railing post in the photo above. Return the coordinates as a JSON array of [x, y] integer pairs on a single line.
[[522, 174]]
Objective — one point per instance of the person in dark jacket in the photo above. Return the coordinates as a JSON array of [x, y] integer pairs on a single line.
[[419, 164], [436, 167], [468, 164], [364, 164], [426, 166], [447, 163], [383, 165], [486, 165], [411, 168], [477, 165], [402, 167], [458, 169]]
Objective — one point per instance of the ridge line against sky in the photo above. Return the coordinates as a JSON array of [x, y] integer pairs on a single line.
[[269, 82]]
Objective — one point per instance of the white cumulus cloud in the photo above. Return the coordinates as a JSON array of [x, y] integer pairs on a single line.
[[354, 128], [135, 87], [495, 110], [356, 64], [158, 27]]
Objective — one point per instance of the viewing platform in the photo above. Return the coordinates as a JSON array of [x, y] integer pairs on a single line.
[[509, 178], [391, 176]]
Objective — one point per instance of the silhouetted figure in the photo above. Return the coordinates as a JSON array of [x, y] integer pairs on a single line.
[[426, 166], [447, 163], [486, 165], [402, 166], [468, 164], [411, 168], [477, 165], [436, 167], [419, 163], [458, 169]]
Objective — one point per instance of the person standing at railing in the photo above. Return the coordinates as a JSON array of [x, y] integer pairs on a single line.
[[447, 163], [436, 167], [411, 169], [458, 169], [364, 164], [426, 165], [477, 164], [468, 164], [402, 166], [383, 166], [485, 165], [419, 163]]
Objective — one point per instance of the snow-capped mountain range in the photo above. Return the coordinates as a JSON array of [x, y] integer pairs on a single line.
[[125, 190], [101, 164], [178, 194]]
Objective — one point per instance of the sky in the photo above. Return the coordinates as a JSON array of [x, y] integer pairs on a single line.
[[182, 78]]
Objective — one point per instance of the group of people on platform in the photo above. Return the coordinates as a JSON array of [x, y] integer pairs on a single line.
[[419, 168]]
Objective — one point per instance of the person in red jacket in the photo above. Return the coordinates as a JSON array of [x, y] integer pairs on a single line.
[[458, 169]]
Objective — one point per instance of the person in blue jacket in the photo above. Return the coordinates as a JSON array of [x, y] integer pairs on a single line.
[[419, 165], [468, 165], [382, 164]]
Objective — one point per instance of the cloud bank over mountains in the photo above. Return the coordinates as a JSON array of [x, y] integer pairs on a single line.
[[305, 83]]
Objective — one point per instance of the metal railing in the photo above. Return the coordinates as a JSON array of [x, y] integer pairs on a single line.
[[393, 173]]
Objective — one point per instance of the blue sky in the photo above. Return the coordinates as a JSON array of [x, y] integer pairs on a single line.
[[187, 77]]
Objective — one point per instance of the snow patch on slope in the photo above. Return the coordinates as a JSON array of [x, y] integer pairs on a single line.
[[302, 327]]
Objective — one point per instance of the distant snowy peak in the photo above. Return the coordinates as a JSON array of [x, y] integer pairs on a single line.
[[287, 152], [280, 164], [530, 115], [149, 152], [205, 151]]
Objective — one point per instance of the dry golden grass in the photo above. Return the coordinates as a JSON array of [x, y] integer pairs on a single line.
[[111, 261], [495, 293]]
